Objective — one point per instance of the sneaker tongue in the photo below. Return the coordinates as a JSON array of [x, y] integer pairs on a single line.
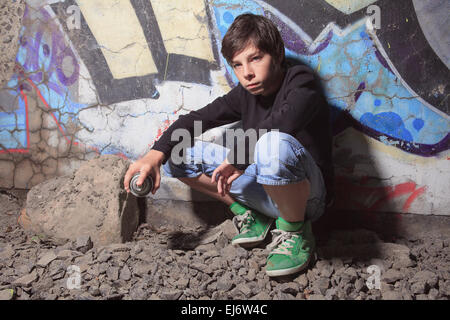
[[288, 226]]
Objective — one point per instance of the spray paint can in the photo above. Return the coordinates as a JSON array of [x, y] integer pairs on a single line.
[[144, 189]]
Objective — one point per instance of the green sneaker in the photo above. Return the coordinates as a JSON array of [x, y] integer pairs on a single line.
[[251, 225], [291, 250]]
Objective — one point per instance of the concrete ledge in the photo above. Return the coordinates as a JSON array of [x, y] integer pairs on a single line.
[[387, 224], [173, 214]]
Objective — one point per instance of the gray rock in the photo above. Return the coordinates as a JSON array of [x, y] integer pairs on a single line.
[[23, 269], [284, 296], [360, 285], [325, 268], [125, 273], [391, 295], [84, 243], [91, 201], [6, 252], [119, 247], [427, 277], [95, 292], [7, 294], [199, 267], [302, 281], [224, 283], [316, 297], [418, 287], [138, 291], [392, 275], [105, 289], [444, 287], [43, 284], [141, 268], [26, 280], [244, 289], [261, 296], [321, 285], [350, 274], [251, 275], [433, 294], [104, 256], [228, 229], [331, 294], [46, 259], [112, 273], [289, 287], [102, 267], [182, 283], [67, 254]]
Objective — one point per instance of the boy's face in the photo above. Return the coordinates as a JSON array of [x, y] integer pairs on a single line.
[[255, 71]]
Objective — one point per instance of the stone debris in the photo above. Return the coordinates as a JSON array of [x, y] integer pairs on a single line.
[[46, 259], [89, 206], [198, 264], [84, 243]]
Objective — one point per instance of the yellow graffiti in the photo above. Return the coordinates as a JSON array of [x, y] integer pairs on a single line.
[[183, 27], [350, 6], [123, 44]]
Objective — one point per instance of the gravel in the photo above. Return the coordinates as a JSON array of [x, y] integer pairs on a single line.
[[193, 264]]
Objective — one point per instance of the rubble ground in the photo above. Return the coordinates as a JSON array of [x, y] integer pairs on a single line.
[[201, 263]]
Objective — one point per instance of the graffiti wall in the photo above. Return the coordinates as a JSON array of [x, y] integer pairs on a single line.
[[108, 77]]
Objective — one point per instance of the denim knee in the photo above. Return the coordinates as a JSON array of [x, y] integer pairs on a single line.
[[278, 158], [182, 170]]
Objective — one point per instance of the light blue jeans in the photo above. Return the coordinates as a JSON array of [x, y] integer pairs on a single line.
[[279, 159]]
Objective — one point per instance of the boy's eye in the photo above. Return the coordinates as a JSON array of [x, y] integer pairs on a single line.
[[236, 65], [256, 58]]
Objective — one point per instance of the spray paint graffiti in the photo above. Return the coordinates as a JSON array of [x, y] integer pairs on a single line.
[[362, 69], [162, 64], [105, 82], [50, 63]]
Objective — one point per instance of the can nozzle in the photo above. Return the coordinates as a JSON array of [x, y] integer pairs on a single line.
[[144, 189]]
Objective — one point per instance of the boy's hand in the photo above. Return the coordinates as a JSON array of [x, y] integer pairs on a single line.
[[227, 173], [150, 164]]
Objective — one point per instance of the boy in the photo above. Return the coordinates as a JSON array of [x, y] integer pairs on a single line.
[[284, 182]]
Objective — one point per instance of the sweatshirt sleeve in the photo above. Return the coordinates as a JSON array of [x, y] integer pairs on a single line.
[[221, 111], [299, 104]]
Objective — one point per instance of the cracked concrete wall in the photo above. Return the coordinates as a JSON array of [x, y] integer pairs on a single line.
[[102, 77], [11, 13]]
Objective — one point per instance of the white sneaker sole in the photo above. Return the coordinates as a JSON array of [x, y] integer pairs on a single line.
[[286, 272], [251, 241]]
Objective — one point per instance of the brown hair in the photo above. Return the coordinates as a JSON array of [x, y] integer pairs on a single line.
[[247, 28]]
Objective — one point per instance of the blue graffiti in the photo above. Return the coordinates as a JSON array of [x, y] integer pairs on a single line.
[[342, 58], [389, 123], [41, 56]]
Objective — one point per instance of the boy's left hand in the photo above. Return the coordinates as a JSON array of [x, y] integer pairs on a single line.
[[227, 173]]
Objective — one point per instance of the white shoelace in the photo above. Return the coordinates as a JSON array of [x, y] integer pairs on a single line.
[[282, 241], [241, 222]]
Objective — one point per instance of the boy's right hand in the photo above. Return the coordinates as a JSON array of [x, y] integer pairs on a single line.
[[150, 164]]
